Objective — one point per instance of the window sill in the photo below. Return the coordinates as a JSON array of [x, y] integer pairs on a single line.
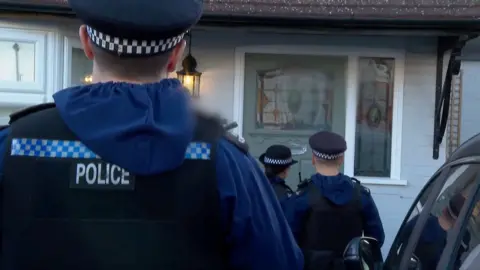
[[20, 100], [381, 181]]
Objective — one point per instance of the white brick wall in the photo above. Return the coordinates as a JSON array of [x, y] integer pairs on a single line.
[[214, 51]]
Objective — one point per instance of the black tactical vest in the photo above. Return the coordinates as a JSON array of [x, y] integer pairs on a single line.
[[282, 190], [328, 227], [54, 219]]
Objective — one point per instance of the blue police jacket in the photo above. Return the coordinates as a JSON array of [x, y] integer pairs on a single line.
[[339, 189], [103, 116], [287, 203]]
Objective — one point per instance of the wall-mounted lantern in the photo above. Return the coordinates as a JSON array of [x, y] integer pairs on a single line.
[[189, 76], [88, 79]]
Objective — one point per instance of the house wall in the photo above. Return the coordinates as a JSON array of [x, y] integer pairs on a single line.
[[470, 100], [470, 111], [214, 50]]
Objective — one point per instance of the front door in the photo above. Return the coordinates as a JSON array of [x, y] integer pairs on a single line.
[[287, 98]]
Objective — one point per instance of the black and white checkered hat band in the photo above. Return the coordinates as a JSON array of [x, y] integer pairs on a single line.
[[124, 46], [326, 156], [272, 161]]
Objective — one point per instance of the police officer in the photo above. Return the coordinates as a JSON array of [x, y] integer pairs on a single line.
[[124, 174], [277, 161], [333, 208]]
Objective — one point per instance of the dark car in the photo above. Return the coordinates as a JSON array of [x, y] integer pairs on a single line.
[[442, 228]]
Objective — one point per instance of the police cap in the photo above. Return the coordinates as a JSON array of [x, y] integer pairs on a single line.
[[327, 145], [137, 27], [277, 155]]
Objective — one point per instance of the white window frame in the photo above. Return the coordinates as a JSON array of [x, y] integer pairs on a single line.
[[70, 43], [352, 73], [19, 94]]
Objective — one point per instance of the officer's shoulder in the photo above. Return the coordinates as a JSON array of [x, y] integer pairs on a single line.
[[236, 141], [302, 188], [29, 110], [363, 188], [216, 120]]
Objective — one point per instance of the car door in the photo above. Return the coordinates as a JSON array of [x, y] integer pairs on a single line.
[[437, 216], [463, 250], [467, 246]]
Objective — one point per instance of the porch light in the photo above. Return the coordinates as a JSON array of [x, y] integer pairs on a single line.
[[189, 76], [88, 79]]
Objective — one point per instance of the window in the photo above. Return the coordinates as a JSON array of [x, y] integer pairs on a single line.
[[287, 94], [373, 140], [441, 218], [18, 61], [299, 92], [78, 66], [23, 62], [81, 68]]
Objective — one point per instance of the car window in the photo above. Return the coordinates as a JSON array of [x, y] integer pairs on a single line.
[[394, 256], [468, 253], [441, 217]]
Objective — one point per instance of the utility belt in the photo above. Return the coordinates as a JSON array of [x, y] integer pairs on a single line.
[[322, 260]]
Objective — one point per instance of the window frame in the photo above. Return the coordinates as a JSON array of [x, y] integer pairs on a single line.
[[70, 43], [21, 94], [352, 88]]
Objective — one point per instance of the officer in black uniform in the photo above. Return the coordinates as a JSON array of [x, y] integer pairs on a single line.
[[333, 208], [124, 173], [277, 161]]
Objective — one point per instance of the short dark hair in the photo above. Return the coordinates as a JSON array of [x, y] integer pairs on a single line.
[[130, 67], [329, 162]]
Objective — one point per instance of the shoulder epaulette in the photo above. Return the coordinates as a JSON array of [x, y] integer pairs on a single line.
[[29, 110], [216, 120], [302, 186], [357, 182], [210, 118], [237, 141]]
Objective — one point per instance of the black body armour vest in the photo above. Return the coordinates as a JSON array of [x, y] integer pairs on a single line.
[[328, 228], [69, 213], [282, 190]]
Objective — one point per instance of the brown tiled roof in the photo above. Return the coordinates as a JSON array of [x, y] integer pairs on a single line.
[[448, 10]]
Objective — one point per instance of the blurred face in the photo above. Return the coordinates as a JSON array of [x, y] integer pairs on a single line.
[[445, 220], [450, 213], [284, 174]]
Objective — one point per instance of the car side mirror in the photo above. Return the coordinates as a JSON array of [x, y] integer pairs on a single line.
[[363, 253]]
